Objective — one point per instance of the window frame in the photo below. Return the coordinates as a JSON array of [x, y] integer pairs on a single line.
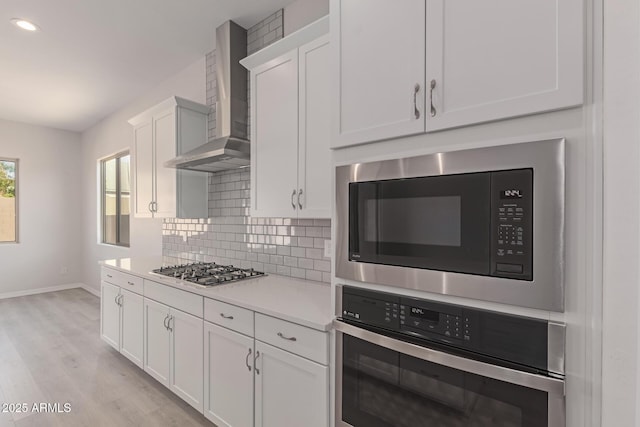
[[103, 193], [17, 210]]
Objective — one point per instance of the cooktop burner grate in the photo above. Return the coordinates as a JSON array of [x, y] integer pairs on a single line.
[[208, 274]]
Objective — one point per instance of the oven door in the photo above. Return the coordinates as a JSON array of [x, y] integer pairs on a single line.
[[436, 222], [385, 382]]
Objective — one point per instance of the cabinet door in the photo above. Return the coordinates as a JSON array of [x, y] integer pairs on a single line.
[[314, 155], [110, 315], [290, 390], [497, 58], [143, 161], [228, 373], [164, 130], [157, 341], [132, 326], [274, 137], [379, 57], [187, 358]]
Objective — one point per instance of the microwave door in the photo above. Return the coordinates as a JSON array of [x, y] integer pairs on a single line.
[[439, 223]]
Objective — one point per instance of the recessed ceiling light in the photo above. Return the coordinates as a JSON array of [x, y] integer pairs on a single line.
[[24, 24]]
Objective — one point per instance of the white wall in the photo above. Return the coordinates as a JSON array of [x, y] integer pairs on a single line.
[[621, 213], [49, 208], [303, 12], [112, 135]]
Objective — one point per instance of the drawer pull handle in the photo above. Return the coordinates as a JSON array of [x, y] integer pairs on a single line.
[[109, 276], [226, 317], [247, 360], [131, 283], [287, 338]]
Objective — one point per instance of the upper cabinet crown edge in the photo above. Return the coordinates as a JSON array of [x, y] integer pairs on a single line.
[[173, 101], [296, 39]]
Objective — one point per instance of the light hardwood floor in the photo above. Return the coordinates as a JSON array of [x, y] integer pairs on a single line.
[[51, 352]]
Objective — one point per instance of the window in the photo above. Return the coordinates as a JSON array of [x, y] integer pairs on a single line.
[[8, 200], [116, 199]]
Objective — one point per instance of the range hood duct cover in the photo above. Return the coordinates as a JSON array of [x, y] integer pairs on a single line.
[[230, 149]]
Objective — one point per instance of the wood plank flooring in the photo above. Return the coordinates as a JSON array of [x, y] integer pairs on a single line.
[[51, 352]]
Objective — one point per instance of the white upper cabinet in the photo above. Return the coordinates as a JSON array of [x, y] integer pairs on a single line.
[[274, 136], [379, 61], [290, 126], [498, 58], [314, 156], [161, 133], [402, 68]]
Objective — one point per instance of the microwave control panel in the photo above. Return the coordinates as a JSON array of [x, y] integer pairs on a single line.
[[512, 224]]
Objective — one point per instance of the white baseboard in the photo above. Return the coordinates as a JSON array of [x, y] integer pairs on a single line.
[[89, 289], [26, 292]]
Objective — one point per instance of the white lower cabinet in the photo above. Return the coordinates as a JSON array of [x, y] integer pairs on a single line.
[[131, 331], [173, 350], [121, 321], [110, 315], [228, 373], [289, 390]]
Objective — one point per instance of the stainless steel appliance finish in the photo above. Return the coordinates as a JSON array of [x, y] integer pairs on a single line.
[[552, 386], [371, 344], [546, 158], [230, 150]]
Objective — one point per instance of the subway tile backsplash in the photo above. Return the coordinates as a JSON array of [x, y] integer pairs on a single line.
[[286, 246]]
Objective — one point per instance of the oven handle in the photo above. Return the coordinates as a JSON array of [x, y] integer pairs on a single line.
[[525, 379]]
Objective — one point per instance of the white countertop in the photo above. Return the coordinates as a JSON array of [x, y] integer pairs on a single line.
[[300, 301]]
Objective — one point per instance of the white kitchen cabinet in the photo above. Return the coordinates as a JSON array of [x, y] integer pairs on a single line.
[[439, 64], [131, 326], [173, 350], [497, 58], [228, 374], [289, 390], [110, 314], [290, 126], [157, 341], [314, 156], [161, 133], [187, 374], [379, 69], [121, 321]]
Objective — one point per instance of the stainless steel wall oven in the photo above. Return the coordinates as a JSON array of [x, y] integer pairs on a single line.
[[406, 362], [484, 223]]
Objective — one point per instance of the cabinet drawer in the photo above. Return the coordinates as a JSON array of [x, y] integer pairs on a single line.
[[230, 316], [124, 280], [297, 339], [182, 300]]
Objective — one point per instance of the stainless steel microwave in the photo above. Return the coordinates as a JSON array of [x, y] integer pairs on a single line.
[[485, 223]]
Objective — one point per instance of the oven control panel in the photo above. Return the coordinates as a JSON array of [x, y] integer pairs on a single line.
[[511, 224], [508, 337]]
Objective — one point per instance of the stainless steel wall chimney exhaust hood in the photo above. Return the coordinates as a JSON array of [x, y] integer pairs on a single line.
[[230, 148]]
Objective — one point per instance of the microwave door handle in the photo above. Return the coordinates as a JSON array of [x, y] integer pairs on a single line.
[[550, 385]]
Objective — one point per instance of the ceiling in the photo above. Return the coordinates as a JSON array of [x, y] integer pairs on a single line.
[[92, 57]]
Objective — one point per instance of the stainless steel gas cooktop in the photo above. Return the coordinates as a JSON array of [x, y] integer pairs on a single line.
[[208, 274]]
